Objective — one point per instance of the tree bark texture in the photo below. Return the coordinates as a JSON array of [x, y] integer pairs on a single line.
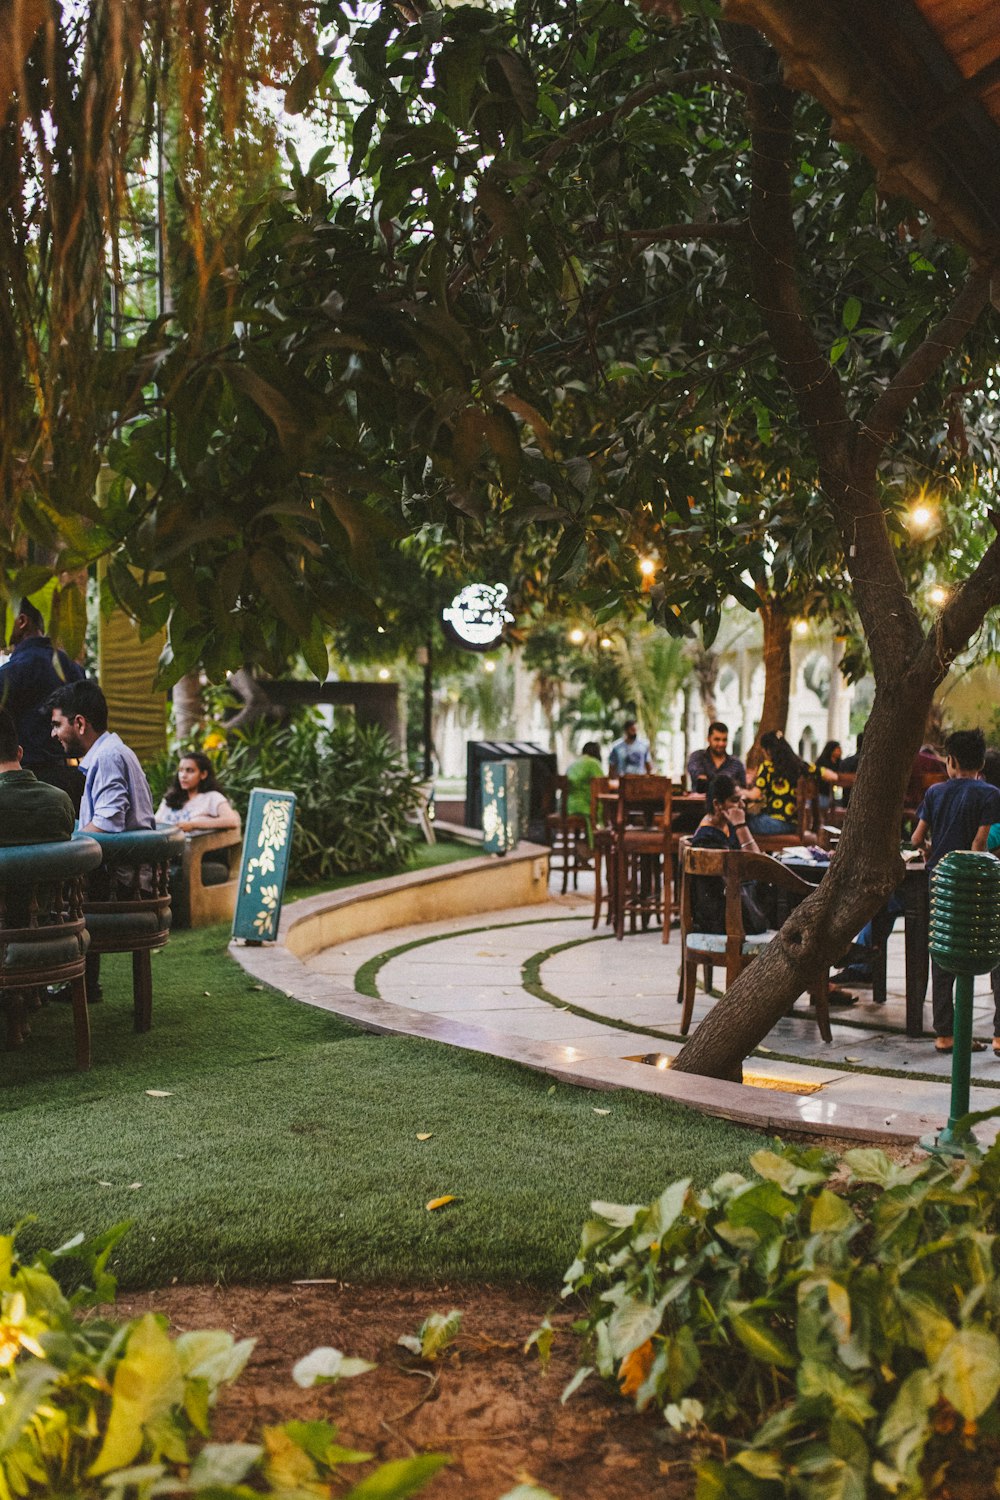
[[908, 664], [777, 671]]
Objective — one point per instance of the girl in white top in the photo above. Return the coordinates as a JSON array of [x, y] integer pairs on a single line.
[[193, 800]]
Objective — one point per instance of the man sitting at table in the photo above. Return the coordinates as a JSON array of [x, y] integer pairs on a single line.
[[630, 755], [116, 795], [714, 760]]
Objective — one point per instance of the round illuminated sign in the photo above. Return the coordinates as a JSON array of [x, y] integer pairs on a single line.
[[476, 617]]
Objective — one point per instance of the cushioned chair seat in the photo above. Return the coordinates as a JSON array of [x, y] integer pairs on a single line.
[[121, 926], [214, 872], [60, 949], [715, 942]]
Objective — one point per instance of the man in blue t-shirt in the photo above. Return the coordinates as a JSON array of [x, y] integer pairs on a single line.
[[956, 814], [630, 756]]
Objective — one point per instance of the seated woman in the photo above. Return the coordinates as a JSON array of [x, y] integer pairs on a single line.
[[579, 775], [723, 827], [194, 800], [774, 807], [829, 759]]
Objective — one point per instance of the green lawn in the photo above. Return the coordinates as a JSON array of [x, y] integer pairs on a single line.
[[287, 1143]]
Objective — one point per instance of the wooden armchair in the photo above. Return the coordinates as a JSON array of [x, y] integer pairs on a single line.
[[204, 886], [735, 947], [43, 940]]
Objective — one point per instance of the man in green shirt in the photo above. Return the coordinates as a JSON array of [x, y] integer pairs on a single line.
[[31, 811]]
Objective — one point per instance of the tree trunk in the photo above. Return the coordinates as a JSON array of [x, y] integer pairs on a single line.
[[189, 705], [865, 869], [777, 671]]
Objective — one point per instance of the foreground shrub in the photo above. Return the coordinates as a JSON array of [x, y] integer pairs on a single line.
[[92, 1407], [842, 1340], [353, 794]]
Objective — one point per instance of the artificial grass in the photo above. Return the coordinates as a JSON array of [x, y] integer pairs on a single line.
[[287, 1144]]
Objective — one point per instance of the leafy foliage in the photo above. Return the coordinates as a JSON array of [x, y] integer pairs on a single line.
[[95, 1407], [353, 794], [842, 1338]]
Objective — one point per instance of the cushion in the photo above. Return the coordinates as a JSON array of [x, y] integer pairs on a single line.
[[715, 942], [214, 872], [26, 864], [49, 953], [120, 926]]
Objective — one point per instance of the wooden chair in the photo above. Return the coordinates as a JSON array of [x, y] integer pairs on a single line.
[[204, 887], [736, 947], [127, 904], [642, 855], [564, 831], [601, 839], [43, 939]]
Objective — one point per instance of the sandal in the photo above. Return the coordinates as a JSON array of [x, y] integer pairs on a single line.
[[996, 1046]]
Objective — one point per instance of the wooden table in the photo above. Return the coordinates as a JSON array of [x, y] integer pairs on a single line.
[[914, 892]]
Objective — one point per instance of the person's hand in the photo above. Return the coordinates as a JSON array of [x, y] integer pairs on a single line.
[[735, 815]]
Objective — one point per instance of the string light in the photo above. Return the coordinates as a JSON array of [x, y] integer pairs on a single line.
[[801, 627], [938, 595], [489, 666], [920, 518], [576, 636], [383, 674], [647, 567], [606, 643]]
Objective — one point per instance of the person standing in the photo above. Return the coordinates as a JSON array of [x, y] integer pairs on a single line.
[[957, 814], [35, 671], [704, 765], [630, 755]]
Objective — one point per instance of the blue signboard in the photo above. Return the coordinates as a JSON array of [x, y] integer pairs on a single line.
[[501, 783], [267, 848]]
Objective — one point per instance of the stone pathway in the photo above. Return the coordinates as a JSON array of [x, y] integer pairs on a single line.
[[538, 985]]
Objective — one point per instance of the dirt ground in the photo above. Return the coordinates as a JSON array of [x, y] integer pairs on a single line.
[[483, 1401]]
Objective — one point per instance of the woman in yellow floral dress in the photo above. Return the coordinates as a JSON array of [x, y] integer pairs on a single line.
[[772, 799]]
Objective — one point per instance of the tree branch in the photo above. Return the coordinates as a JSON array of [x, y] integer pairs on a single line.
[[730, 229], [968, 605], [813, 381], [889, 408]]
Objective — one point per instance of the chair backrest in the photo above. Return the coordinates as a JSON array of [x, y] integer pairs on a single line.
[[733, 866], [648, 794], [41, 903], [807, 805], [598, 809]]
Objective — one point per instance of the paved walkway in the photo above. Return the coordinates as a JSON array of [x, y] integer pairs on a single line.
[[540, 986]]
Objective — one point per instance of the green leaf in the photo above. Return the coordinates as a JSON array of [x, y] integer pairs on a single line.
[[632, 1323], [147, 1384], [401, 1477], [761, 1341], [830, 1214], [851, 313], [968, 1368]]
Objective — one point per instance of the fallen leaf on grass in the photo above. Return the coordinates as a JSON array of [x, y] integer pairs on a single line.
[[324, 1365], [851, 1059], [133, 1185], [601, 1111], [159, 1093], [440, 1202], [765, 1051], [105, 1184], [424, 1135]]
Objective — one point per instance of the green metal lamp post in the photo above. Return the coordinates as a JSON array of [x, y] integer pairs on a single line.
[[964, 940]]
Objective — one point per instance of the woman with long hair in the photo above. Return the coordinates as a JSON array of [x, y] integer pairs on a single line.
[[194, 800], [773, 794]]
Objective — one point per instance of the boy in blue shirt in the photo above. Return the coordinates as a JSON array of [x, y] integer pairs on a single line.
[[957, 814]]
